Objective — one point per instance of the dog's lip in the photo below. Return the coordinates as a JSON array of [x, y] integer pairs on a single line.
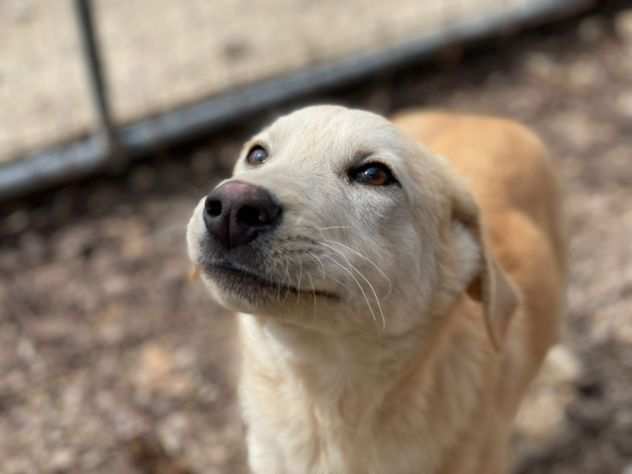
[[219, 267]]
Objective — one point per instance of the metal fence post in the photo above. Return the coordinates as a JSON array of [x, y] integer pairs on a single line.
[[95, 71]]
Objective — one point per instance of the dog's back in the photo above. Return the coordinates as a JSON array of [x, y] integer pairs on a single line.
[[507, 169]]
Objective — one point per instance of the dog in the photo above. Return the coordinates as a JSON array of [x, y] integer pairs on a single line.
[[397, 283]]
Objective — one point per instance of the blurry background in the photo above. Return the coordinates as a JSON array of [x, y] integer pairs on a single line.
[[112, 361], [161, 53]]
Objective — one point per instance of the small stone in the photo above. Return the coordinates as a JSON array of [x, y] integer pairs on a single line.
[[593, 417], [541, 418], [624, 105], [115, 285], [623, 433], [218, 454], [33, 247], [92, 459], [17, 221], [155, 363], [75, 242], [590, 387], [562, 365], [158, 373], [26, 350], [110, 325], [18, 466], [173, 431], [210, 394], [135, 244], [584, 74], [581, 131], [540, 66], [61, 461]]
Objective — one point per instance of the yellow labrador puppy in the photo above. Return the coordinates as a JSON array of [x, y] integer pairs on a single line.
[[398, 283]]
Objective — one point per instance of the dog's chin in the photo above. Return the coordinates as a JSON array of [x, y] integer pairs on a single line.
[[245, 291]]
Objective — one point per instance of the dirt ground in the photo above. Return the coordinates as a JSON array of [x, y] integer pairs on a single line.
[[112, 361]]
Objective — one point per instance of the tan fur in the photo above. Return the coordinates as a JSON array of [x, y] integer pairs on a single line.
[[450, 291]]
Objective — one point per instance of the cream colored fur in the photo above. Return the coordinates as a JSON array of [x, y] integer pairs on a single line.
[[448, 292]]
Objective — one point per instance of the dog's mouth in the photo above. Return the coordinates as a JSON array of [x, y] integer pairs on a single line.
[[252, 285]]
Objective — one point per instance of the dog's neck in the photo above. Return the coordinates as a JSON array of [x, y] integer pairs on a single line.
[[336, 394], [328, 366]]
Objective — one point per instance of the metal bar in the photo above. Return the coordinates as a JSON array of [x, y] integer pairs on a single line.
[[85, 157], [95, 71], [52, 167]]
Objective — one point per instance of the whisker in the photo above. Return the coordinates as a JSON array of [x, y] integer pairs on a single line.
[[333, 227], [364, 257], [324, 273], [288, 277], [361, 275], [278, 297], [366, 298], [315, 300], [311, 228], [300, 278]]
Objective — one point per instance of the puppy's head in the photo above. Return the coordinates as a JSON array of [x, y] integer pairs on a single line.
[[334, 219]]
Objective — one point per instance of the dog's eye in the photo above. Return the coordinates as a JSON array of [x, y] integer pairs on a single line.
[[256, 155], [372, 174]]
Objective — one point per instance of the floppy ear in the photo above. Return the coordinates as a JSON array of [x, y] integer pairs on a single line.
[[487, 283]]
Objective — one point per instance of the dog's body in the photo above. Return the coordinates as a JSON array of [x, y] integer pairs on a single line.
[[407, 345]]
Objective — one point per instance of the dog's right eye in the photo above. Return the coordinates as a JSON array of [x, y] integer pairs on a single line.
[[373, 174], [256, 155]]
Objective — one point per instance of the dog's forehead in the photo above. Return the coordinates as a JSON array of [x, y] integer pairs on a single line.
[[321, 115], [330, 126]]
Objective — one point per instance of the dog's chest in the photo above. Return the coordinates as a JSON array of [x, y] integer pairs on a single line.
[[313, 440], [326, 422]]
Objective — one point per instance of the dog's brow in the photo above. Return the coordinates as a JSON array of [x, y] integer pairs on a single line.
[[362, 155]]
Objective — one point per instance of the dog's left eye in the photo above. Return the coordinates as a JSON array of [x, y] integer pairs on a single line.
[[372, 174], [256, 155]]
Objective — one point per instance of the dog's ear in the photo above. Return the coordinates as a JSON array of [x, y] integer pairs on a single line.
[[486, 280]]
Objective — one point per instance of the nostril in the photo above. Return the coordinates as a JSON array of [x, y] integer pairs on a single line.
[[235, 213], [213, 208], [252, 216]]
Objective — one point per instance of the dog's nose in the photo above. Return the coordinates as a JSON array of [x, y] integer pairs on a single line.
[[235, 213]]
